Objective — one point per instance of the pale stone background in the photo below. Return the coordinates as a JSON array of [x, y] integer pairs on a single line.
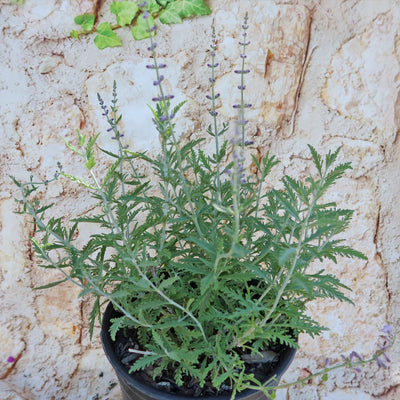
[[323, 72]]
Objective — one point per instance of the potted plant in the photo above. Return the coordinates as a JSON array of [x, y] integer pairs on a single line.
[[205, 270]]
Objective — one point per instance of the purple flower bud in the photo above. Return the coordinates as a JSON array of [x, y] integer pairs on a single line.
[[155, 83], [11, 359], [246, 71], [242, 122], [213, 54], [245, 26], [216, 96], [357, 369], [248, 142], [242, 87], [247, 105], [237, 71], [208, 97], [353, 355], [243, 55], [381, 363], [327, 362], [152, 47], [146, 15], [159, 98], [169, 97], [162, 65], [213, 113], [212, 80], [151, 66], [152, 29], [213, 65], [244, 43], [236, 106], [387, 329]]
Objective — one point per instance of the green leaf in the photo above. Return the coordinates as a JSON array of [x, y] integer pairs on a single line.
[[286, 255], [152, 6], [324, 377], [125, 11], [106, 37], [86, 21], [140, 30], [74, 34], [180, 9], [169, 17]]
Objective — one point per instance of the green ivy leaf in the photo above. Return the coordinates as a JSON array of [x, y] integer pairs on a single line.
[[86, 21], [106, 37], [125, 11], [139, 31], [152, 6], [74, 34], [180, 9]]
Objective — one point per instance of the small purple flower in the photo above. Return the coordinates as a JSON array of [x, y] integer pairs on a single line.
[[152, 29], [387, 329], [162, 65], [150, 66], [244, 43], [353, 355], [381, 363], [249, 142], [146, 15], [242, 87], [212, 65], [212, 80], [213, 113], [152, 47], [11, 359], [243, 56], [327, 362], [155, 83]]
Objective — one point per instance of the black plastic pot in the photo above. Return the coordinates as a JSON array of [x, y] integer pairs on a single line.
[[134, 388]]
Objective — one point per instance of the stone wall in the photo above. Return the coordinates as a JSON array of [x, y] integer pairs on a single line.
[[323, 72]]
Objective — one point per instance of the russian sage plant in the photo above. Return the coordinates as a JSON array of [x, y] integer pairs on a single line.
[[212, 265]]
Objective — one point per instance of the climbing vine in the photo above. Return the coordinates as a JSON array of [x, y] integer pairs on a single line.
[[133, 15]]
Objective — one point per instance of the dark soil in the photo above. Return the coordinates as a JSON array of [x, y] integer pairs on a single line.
[[128, 340]]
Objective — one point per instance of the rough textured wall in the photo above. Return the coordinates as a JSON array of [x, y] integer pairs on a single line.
[[323, 72]]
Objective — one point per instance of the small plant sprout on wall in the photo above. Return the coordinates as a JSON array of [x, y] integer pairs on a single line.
[[203, 270]]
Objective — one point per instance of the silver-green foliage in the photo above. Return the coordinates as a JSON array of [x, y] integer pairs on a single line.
[[211, 265]]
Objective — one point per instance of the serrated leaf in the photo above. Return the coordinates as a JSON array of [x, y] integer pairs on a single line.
[[86, 21], [286, 255], [125, 11], [140, 30], [106, 37]]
